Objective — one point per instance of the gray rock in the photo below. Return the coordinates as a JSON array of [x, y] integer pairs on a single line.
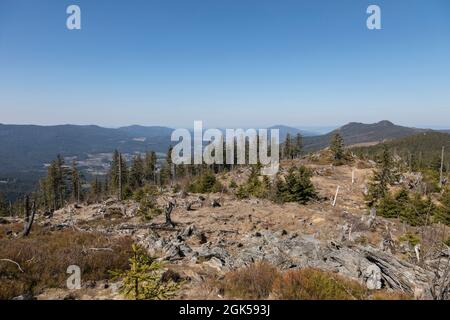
[[372, 276], [24, 297], [368, 265]]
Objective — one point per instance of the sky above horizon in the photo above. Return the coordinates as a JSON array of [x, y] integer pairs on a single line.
[[229, 63]]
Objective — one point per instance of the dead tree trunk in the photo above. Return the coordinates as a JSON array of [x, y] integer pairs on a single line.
[[120, 177], [441, 172], [28, 217], [168, 211], [78, 191]]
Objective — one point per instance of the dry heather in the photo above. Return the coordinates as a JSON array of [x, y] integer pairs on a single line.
[[45, 256], [252, 282], [263, 281]]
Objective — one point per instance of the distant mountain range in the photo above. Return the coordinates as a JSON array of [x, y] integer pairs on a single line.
[[284, 130], [26, 148]]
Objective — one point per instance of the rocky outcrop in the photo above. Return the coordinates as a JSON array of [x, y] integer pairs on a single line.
[[375, 268], [368, 265]]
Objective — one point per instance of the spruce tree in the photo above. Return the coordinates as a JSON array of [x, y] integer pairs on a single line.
[[287, 150], [96, 190], [137, 173], [298, 145], [150, 166], [114, 172], [54, 189], [255, 186], [337, 147], [296, 187], [166, 170], [118, 174], [4, 207], [379, 187], [76, 183], [60, 180], [443, 213]]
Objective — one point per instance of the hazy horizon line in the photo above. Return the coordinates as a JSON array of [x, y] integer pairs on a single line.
[[309, 127]]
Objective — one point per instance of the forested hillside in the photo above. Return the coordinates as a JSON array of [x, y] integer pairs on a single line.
[[418, 151]]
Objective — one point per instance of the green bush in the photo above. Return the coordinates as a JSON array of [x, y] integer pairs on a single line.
[[232, 184], [148, 207], [393, 206], [414, 210], [419, 211], [296, 186], [447, 242], [145, 191], [256, 186], [143, 280], [431, 179], [205, 183], [410, 238], [443, 212]]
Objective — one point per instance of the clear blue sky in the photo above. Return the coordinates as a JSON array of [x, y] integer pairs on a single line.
[[227, 62]]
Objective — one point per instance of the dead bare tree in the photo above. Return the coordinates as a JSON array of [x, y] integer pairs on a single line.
[[120, 178], [168, 211], [441, 171], [28, 216]]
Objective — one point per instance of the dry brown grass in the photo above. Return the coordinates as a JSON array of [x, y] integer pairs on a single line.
[[385, 295], [261, 281], [44, 257], [312, 284], [252, 282]]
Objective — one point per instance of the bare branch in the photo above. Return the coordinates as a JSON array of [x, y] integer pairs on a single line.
[[11, 261]]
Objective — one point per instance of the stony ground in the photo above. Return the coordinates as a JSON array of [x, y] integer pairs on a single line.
[[208, 241]]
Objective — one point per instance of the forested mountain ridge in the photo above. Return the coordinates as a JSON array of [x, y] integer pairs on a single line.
[[418, 150], [26, 147], [355, 132]]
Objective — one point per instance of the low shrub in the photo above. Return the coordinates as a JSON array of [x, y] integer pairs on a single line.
[[255, 186], [410, 238], [205, 183], [143, 279], [312, 284], [252, 282], [261, 280], [388, 295], [45, 255], [148, 208], [447, 242]]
